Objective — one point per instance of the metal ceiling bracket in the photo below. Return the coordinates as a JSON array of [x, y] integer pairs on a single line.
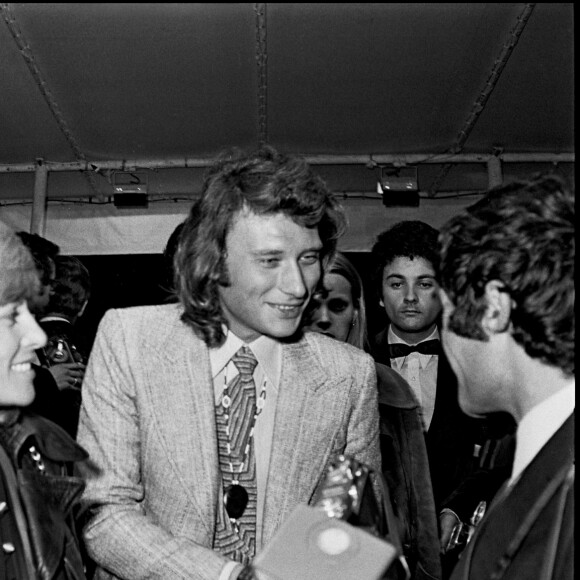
[[494, 172], [38, 214]]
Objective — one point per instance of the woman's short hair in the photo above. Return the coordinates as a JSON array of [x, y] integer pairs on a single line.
[[264, 182], [19, 278], [43, 252]]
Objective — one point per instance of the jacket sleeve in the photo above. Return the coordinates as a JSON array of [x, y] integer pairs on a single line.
[[363, 426], [119, 535]]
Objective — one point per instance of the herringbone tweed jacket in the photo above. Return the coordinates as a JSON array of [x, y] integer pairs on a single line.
[[148, 423]]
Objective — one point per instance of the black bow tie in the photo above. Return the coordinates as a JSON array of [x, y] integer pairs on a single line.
[[399, 349]]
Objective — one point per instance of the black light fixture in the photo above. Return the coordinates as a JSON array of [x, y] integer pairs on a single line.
[[130, 189], [398, 186]]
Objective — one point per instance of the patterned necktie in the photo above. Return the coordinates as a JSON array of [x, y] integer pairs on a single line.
[[399, 349], [237, 539]]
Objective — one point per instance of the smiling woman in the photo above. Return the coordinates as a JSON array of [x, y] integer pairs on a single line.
[[20, 335], [35, 455]]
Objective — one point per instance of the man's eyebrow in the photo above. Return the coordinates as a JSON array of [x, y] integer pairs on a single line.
[[268, 252], [421, 277]]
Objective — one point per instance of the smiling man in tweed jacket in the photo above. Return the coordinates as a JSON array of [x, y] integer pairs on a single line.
[[172, 496]]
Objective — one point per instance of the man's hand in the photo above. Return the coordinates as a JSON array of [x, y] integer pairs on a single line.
[[447, 521], [68, 375]]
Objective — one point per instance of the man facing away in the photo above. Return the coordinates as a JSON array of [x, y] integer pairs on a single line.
[[507, 277], [183, 488], [406, 272]]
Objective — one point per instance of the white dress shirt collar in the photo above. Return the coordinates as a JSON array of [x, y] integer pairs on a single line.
[[54, 318], [539, 425], [268, 353]]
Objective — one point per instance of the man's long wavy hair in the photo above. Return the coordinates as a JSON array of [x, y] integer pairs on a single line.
[[521, 234], [264, 182]]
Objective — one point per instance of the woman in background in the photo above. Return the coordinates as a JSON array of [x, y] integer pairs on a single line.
[[338, 310], [36, 456]]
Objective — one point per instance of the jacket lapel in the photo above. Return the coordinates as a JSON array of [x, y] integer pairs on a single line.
[[181, 389], [380, 349], [509, 510], [295, 466]]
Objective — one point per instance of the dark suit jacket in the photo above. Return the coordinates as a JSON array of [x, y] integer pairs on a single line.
[[406, 471], [554, 521], [451, 437]]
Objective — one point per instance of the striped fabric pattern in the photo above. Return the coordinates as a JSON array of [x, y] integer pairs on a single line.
[[238, 544]]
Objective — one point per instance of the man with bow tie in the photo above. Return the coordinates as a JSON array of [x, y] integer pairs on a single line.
[[406, 262]]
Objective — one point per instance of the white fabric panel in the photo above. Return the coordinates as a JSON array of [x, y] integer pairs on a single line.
[[93, 229], [369, 217]]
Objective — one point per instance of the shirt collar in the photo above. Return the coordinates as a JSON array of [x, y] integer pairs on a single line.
[[539, 425], [424, 359], [268, 353], [54, 318]]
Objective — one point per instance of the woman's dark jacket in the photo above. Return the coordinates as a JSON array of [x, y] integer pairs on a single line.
[[406, 471], [37, 498]]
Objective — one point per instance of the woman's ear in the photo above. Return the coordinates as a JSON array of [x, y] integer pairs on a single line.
[[499, 307]]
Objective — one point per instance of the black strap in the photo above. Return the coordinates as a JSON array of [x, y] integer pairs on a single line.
[[566, 475], [529, 520], [550, 560]]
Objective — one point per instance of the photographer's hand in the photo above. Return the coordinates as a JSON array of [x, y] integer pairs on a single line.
[[447, 521], [68, 375]]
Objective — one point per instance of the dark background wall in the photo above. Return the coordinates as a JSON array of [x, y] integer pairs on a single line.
[[121, 281]]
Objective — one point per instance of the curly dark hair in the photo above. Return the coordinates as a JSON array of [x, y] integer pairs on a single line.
[[406, 239], [264, 182], [19, 277], [521, 234]]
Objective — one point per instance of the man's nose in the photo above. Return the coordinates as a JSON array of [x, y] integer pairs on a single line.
[[411, 295], [293, 281]]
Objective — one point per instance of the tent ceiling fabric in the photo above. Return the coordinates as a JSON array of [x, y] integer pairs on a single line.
[[169, 82]]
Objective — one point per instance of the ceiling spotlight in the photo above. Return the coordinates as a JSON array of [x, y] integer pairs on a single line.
[[130, 189], [399, 186]]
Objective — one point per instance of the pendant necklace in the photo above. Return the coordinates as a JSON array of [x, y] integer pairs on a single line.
[[235, 495]]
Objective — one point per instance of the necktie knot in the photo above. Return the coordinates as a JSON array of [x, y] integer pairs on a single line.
[[245, 362], [398, 349]]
